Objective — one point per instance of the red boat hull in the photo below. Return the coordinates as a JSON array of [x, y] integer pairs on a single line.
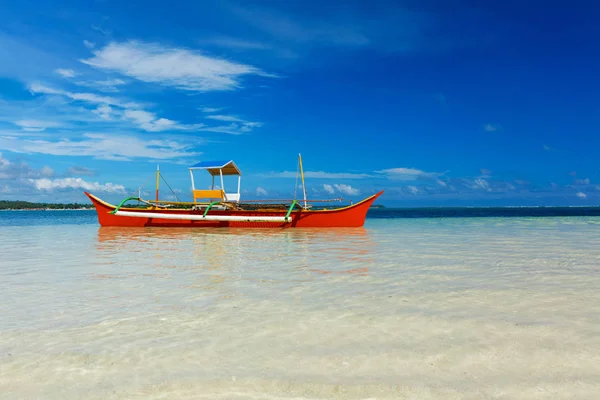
[[351, 216]]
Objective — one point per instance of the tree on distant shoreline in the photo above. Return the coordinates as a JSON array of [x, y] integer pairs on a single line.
[[26, 205]]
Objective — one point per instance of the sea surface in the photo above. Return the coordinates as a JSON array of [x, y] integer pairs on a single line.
[[408, 307]]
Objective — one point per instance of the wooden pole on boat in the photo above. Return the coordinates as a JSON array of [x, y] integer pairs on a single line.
[[297, 173], [157, 181], [302, 174]]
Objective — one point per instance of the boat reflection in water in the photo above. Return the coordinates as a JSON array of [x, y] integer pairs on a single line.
[[330, 251]]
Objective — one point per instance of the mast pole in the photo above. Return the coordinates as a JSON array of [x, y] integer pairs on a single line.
[[157, 181], [302, 174], [297, 173]]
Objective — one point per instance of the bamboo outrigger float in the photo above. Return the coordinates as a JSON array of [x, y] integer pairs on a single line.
[[222, 209]]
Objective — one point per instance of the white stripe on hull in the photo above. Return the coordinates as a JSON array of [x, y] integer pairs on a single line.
[[191, 217]]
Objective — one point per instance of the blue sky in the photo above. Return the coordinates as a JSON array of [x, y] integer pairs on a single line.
[[435, 102]]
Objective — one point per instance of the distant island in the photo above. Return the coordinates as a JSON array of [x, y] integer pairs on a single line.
[[26, 205], [377, 206]]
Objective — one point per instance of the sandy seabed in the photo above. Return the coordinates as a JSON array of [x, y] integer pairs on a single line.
[[420, 309]]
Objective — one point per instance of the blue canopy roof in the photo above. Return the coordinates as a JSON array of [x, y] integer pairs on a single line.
[[228, 167], [211, 164]]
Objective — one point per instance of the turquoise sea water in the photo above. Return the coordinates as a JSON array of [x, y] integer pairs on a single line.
[[404, 308]]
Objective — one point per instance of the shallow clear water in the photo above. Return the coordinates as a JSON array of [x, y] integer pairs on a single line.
[[498, 308]]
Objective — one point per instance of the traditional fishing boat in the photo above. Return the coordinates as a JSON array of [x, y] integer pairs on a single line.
[[217, 208]]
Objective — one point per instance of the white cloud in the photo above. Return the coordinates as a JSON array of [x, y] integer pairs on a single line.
[[328, 188], [47, 171], [88, 44], [233, 43], [107, 85], [75, 170], [441, 183], [117, 110], [176, 67], [346, 189], [319, 175], [65, 73], [581, 195], [413, 189], [585, 181], [342, 188], [102, 146], [10, 170], [261, 192], [75, 183], [238, 126], [131, 111], [408, 174], [210, 109], [31, 125], [480, 183], [101, 30], [85, 97], [225, 118], [491, 127], [146, 119], [232, 129], [48, 112], [149, 122], [104, 111]]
